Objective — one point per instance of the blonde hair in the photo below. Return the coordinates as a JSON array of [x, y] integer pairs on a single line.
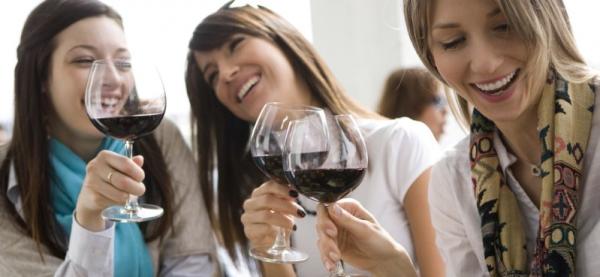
[[544, 27]]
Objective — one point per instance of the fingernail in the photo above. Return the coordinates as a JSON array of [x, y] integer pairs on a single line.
[[293, 193], [329, 266], [301, 213], [334, 256], [295, 227]]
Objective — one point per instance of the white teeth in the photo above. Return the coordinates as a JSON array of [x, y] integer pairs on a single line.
[[246, 87], [496, 85], [110, 101]]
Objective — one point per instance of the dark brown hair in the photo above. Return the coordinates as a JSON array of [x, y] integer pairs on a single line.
[[408, 92], [28, 149], [221, 137]]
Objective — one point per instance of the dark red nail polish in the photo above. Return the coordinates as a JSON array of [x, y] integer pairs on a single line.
[[301, 213], [293, 193]]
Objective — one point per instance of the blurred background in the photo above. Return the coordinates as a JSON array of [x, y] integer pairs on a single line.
[[362, 41]]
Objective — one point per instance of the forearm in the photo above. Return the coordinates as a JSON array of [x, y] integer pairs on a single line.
[[277, 270]]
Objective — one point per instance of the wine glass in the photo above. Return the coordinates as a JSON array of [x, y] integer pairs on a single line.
[[326, 176], [126, 100], [266, 144]]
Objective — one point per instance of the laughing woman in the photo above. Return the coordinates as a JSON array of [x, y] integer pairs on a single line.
[[58, 172], [518, 196], [240, 59]]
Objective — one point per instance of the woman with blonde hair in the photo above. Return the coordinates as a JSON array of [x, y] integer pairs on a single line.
[[517, 196]]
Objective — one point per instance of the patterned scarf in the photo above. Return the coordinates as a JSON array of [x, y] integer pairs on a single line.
[[131, 257], [565, 116]]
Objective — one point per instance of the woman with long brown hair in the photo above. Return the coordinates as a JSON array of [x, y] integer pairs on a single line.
[[240, 59], [518, 196], [414, 92], [58, 172]]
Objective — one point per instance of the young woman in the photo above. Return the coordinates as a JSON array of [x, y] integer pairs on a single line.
[[415, 93], [58, 172], [518, 196], [242, 58]]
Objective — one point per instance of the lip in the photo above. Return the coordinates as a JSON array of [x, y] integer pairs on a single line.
[[506, 94]]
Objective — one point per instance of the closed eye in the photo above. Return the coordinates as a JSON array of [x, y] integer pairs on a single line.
[[502, 28], [234, 43], [453, 44], [211, 78]]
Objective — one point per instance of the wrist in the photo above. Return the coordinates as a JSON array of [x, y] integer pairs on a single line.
[[397, 264], [90, 220]]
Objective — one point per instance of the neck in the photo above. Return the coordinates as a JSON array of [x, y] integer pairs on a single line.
[[521, 136], [84, 147]]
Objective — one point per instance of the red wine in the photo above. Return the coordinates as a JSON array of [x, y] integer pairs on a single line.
[[272, 166], [128, 127], [326, 185]]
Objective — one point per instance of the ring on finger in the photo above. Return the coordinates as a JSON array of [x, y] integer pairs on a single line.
[[109, 177]]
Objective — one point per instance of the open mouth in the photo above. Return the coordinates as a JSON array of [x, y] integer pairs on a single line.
[[497, 87], [246, 88]]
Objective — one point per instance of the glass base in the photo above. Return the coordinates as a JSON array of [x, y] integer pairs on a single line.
[[283, 256], [145, 212]]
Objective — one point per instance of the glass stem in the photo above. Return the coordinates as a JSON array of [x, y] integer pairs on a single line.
[[280, 243], [132, 202], [339, 269]]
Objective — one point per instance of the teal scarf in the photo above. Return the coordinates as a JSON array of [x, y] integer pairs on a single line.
[[66, 178]]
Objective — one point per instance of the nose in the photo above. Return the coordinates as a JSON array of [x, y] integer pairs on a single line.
[[485, 58], [112, 76], [228, 71]]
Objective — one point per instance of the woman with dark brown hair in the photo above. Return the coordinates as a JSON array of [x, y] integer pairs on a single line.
[[58, 172], [415, 93], [240, 59]]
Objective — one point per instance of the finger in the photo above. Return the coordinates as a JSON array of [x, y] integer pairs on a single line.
[[267, 217], [329, 252], [274, 188], [125, 183], [354, 208], [271, 202], [260, 234], [325, 226], [122, 164], [139, 160], [343, 219], [111, 193]]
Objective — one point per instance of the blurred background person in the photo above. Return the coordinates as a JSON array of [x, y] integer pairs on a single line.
[[415, 93]]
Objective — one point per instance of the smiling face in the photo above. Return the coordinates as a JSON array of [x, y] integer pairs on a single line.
[[76, 49], [481, 57], [247, 72]]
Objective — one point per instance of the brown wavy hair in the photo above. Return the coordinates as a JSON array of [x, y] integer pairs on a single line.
[[408, 92], [219, 137], [28, 149]]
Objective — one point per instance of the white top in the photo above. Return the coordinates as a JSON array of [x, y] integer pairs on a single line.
[[399, 151], [457, 222]]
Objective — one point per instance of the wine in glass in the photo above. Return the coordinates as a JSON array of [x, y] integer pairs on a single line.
[[126, 101], [266, 143], [325, 176]]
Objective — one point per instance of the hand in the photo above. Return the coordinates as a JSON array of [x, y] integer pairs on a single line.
[[348, 231], [271, 205], [98, 193]]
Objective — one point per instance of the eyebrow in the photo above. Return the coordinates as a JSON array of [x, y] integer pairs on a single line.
[[493, 13], [92, 48]]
